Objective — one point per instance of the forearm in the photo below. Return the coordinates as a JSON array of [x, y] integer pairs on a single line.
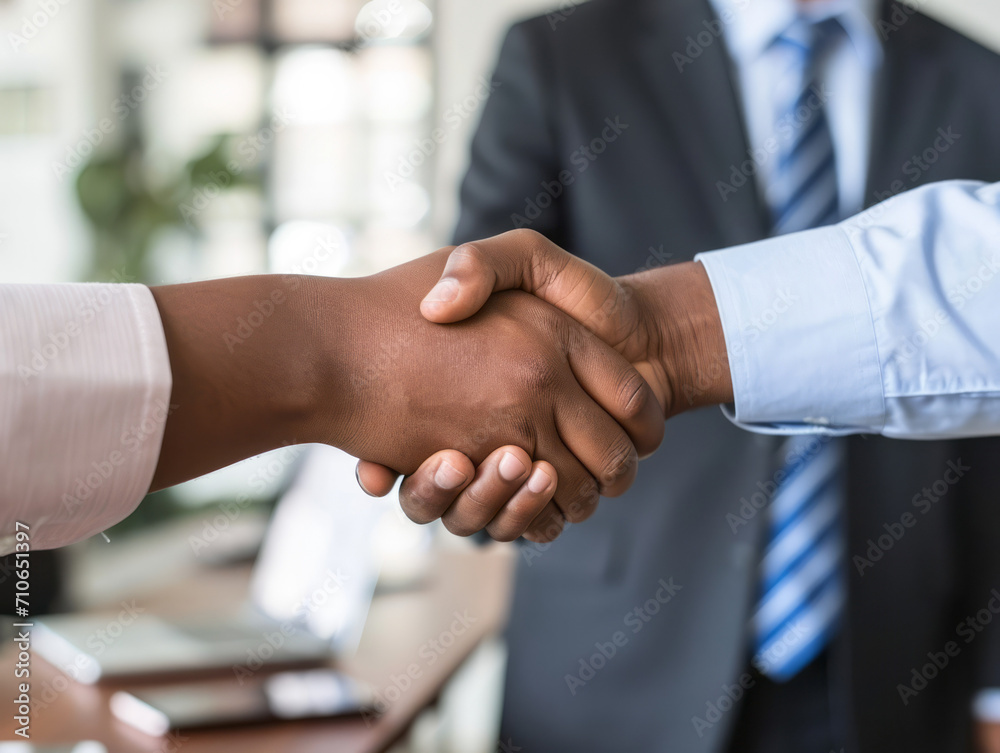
[[247, 355]]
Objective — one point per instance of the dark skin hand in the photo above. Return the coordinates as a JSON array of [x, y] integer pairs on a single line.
[[664, 321], [352, 363], [987, 736]]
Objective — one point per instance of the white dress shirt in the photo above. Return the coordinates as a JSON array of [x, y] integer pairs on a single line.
[[886, 323], [84, 395], [767, 80]]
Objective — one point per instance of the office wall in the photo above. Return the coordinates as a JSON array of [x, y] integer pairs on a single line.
[[468, 36]]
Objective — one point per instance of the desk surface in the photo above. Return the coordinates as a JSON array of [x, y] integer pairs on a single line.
[[424, 634]]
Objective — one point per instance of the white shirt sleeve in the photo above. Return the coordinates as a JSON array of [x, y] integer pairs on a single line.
[[84, 395], [886, 323]]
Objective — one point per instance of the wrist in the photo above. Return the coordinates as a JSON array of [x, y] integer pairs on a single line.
[[330, 375], [243, 379], [687, 345]]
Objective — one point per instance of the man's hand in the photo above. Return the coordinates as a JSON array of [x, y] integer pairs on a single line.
[[664, 321], [352, 363], [468, 499]]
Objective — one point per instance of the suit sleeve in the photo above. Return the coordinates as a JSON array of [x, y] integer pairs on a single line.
[[513, 150]]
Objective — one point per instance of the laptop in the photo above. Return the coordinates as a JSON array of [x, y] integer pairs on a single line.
[[309, 595]]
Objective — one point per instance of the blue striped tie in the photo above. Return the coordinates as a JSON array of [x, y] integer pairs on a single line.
[[802, 193], [803, 585]]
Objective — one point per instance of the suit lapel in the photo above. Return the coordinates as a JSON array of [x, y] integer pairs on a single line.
[[694, 91]]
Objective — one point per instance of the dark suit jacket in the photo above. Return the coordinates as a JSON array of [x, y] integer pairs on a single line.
[[587, 671]]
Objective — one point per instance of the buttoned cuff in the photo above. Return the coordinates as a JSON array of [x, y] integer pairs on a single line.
[[799, 335]]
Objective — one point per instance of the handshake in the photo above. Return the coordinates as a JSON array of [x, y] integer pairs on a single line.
[[510, 381], [544, 378]]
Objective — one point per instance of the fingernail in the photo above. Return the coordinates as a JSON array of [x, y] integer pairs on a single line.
[[357, 475], [448, 476], [445, 291], [511, 468], [539, 481]]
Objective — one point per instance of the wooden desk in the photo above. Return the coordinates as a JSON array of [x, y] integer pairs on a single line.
[[423, 635]]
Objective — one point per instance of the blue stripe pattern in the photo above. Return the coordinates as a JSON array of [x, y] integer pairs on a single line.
[[803, 586], [803, 193], [802, 567]]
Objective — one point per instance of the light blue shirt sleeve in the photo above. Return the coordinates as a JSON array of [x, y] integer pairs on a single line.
[[886, 323]]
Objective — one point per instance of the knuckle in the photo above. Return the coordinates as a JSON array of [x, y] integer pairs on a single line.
[[458, 526], [526, 237], [621, 461], [538, 375], [478, 503], [420, 511], [467, 253], [419, 504], [503, 531], [514, 521], [512, 425], [473, 511], [583, 503], [632, 395], [548, 530]]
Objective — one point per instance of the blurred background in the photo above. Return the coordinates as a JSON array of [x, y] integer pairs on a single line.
[[162, 141]]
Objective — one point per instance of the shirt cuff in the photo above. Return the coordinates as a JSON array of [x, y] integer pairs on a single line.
[[799, 335], [986, 705], [84, 396]]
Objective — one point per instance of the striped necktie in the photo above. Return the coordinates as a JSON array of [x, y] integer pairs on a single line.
[[803, 585]]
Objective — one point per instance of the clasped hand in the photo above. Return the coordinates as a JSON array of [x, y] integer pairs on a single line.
[[581, 382]]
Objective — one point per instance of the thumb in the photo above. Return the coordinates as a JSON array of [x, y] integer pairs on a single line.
[[518, 259]]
